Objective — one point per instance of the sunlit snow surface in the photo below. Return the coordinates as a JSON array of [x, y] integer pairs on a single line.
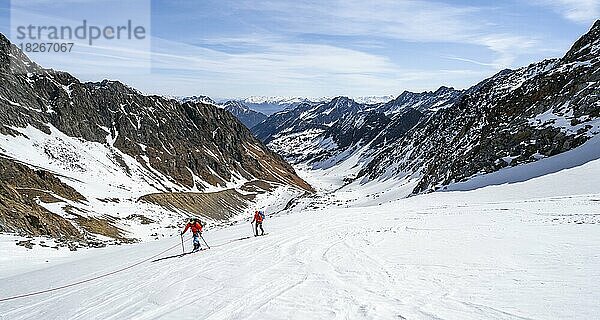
[[521, 250]]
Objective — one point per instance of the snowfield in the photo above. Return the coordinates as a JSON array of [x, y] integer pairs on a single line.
[[523, 250]]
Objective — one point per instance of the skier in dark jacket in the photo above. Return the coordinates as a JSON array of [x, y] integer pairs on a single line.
[[259, 216], [196, 228]]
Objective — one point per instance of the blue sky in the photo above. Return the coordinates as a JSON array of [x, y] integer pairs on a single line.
[[236, 48]]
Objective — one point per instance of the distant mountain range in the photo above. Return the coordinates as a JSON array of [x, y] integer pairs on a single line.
[[273, 104], [242, 112], [254, 110], [270, 105], [319, 133]]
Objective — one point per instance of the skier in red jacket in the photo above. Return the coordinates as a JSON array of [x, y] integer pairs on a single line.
[[196, 227], [259, 216]]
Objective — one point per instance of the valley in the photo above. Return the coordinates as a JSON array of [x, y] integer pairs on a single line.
[[474, 203]]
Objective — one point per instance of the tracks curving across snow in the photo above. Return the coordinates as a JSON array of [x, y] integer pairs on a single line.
[[493, 253]]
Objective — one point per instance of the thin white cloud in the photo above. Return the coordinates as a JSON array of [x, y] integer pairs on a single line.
[[413, 20], [279, 60], [479, 63], [507, 47], [276, 62], [409, 20], [287, 68], [580, 11]]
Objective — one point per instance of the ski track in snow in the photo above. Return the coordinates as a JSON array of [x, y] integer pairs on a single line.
[[492, 253]]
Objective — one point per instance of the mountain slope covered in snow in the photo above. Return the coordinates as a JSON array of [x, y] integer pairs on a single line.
[[322, 135], [271, 105], [113, 145], [515, 251], [515, 117], [432, 139], [510, 231]]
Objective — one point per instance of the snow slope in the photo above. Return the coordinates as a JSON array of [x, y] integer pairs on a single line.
[[92, 169], [589, 151], [501, 252]]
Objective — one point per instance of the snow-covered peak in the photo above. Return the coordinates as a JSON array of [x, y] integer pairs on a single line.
[[297, 99], [373, 99], [232, 104], [277, 99]]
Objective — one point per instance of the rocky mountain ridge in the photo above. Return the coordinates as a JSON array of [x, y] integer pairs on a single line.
[[113, 144], [446, 136], [247, 116], [513, 118], [317, 133]]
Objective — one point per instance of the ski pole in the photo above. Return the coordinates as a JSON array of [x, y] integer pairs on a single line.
[[182, 247], [204, 241]]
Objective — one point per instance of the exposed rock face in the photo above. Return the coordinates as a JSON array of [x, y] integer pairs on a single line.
[[24, 178], [178, 139], [19, 211], [219, 206], [247, 116], [425, 101], [196, 99], [22, 189]]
